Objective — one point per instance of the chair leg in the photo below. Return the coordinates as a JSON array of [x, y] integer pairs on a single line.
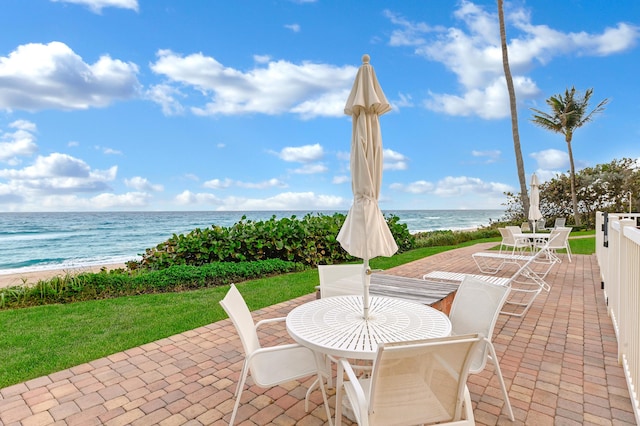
[[243, 379], [339, 380], [494, 358]]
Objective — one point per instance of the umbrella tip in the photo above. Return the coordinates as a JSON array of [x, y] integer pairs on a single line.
[[365, 59]]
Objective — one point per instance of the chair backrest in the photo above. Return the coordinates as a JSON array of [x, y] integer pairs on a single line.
[[560, 221], [420, 381], [559, 237], [507, 237], [341, 280], [238, 311], [541, 224], [475, 309], [514, 229], [525, 227]]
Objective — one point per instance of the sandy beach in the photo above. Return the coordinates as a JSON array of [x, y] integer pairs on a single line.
[[29, 278]]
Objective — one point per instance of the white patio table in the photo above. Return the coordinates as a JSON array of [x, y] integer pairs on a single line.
[[533, 235], [335, 325]]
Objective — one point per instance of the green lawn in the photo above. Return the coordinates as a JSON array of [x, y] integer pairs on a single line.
[[40, 340]]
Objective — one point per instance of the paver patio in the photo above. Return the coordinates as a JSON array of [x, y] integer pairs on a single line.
[[559, 363]]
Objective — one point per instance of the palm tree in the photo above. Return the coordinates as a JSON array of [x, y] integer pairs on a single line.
[[524, 197], [568, 113]]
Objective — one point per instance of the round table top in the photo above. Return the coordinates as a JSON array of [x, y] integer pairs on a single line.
[[336, 326]]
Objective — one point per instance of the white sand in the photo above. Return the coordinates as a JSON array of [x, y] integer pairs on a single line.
[[29, 278]]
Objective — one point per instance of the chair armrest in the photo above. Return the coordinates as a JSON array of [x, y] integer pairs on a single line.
[[363, 406], [284, 347], [269, 321]]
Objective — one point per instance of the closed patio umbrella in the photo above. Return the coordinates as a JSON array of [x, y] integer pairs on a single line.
[[365, 233], [534, 202]]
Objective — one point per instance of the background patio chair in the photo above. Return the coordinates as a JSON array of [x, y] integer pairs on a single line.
[[541, 225], [412, 383], [509, 240], [559, 239], [475, 309], [341, 280], [273, 365], [559, 223]]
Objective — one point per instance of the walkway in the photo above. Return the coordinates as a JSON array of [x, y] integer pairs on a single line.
[[559, 363]]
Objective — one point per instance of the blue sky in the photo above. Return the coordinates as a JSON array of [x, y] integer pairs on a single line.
[[238, 105]]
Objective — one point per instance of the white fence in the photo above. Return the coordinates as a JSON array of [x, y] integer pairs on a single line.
[[618, 253]]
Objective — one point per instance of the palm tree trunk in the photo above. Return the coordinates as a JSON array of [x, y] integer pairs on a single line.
[[524, 197], [572, 178]]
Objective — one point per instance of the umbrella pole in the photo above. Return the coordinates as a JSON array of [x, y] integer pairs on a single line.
[[366, 280]]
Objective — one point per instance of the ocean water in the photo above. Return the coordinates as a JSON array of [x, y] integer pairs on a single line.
[[44, 241]]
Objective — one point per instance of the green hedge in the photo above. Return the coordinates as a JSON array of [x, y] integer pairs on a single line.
[[310, 240], [118, 282]]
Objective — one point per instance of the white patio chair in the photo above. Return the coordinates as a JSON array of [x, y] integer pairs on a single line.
[[559, 240], [341, 280], [559, 223], [269, 366], [475, 309], [508, 240], [412, 383], [541, 225]]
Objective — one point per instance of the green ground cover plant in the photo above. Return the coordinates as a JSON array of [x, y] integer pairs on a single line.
[[40, 340], [117, 283]]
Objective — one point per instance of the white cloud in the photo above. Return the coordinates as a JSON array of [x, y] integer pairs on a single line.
[[96, 6], [301, 154], [452, 186], [310, 169], [417, 187], [227, 183], [108, 201], [20, 143], [491, 156], [307, 89], [283, 201], [393, 160], [271, 183], [108, 151], [262, 59], [51, 76], [187, 198], [286, 201], [457, 186], [551, 159], [142, 184], [338, 180], [165, 95], [472, 52], [58, 173], [218, 184], [293, 27]]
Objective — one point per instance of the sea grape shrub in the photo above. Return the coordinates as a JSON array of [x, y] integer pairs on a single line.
[[310, 241], [451, 238]]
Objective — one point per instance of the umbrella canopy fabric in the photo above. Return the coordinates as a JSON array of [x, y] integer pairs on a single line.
[[534, 202], [365, 233]]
